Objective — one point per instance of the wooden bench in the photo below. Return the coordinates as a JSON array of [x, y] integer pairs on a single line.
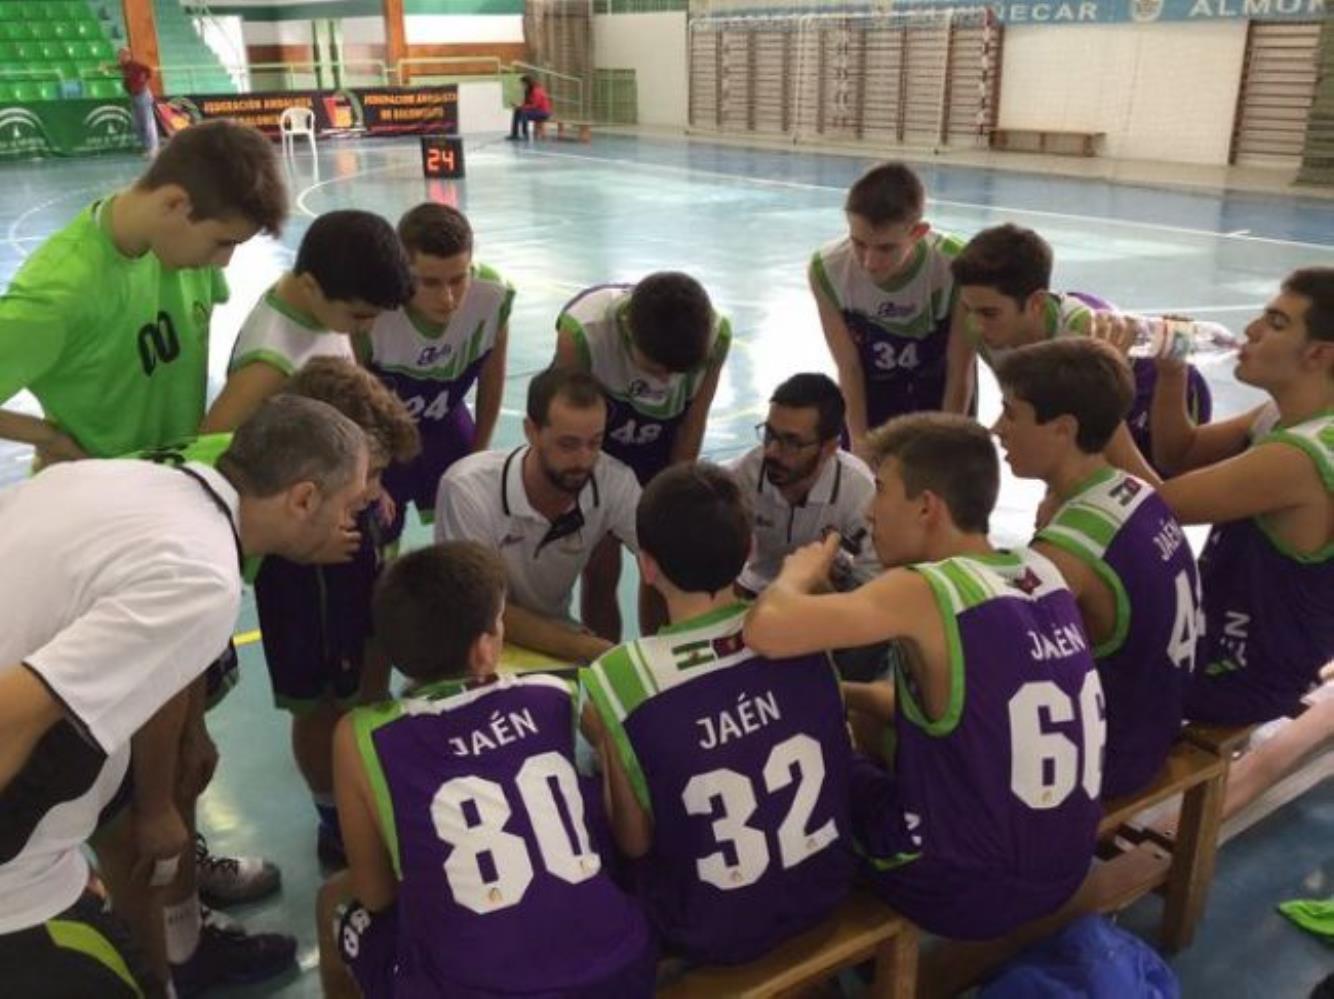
[[860, 928], [1064, 142], [1132, 862], [581, 131]]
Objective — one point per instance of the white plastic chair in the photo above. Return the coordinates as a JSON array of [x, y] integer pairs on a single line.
[[295, 122]]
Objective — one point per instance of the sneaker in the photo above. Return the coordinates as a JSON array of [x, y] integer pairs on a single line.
[[227, 881], [228, 955], [329, 847]]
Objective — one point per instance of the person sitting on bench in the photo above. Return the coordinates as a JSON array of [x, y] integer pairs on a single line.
[[536, 106]]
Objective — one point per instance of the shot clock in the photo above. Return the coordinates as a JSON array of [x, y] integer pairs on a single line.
[[442, 156]]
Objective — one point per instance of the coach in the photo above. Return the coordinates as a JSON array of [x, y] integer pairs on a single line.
[[544, 507]]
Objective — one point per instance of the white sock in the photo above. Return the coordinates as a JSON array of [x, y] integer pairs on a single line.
[[182, 923]]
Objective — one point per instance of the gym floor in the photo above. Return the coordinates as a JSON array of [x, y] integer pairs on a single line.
[[556, 218]]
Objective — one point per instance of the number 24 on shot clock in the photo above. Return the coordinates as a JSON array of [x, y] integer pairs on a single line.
[[442, 156]]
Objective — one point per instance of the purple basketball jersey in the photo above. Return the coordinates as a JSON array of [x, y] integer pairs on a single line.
[[447, 434], [743, 764], [485, 818], [1199, 400], [1269, 626], [1121, 528], [892, 390], [630, 439], [999, 796]]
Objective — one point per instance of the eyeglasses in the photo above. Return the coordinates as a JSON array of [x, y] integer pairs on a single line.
[[785, 442]]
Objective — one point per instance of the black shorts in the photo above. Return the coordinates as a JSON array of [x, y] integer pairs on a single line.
[[83, 951]]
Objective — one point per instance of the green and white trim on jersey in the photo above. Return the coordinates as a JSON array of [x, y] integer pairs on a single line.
[[843, 282], [279, 335], [620, 681], [603, 339], [1085, 526], [959, 584], [398, 339], [1062, 315], [1315, 438], [436, 698]]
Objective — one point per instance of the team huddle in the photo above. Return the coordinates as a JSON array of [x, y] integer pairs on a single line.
[[839, 680]]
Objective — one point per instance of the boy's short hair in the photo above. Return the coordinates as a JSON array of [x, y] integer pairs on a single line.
[[695, 523], [436, 230], [948, 454], [229, 170], [363, 399], [1013, 260], [887, 194], [1072, 376], [1317, 284], [811, 390], [671, 320], [580, 389], [432, 604], [353, 254]]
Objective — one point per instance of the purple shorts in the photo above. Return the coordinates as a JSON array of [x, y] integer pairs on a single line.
[[942, 898], [444, 442]]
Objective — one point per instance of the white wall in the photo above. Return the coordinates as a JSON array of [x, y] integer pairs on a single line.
[[1160, 92], [457, 29], [654, 46]]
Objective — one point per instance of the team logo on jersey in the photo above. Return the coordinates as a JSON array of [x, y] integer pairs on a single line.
[[638, 388], [1126, 490], [434, 353], [1146, 10], [892, 310], [1028, 583]]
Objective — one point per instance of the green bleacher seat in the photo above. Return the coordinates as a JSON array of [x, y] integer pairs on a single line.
[[87, 30], [33, 11], [49, 51], [78, 51], [6, 92], [43, 29], [17, 31], [67, 70], [101, 50], [6, 52], [105, 88], [9, 12], [25, 51], [48, 90], [22, 92], [77, 10], [62, 30]]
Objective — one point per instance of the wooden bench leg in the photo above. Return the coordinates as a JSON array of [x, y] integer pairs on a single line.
[[896, 966], [539, 130], [1193, 857], [585, 133]]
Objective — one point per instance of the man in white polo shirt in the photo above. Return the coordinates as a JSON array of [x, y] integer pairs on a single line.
[[544, 507], [802, 485], [119, 583]]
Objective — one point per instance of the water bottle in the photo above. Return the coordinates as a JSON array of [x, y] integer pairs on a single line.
[[1174, 338]]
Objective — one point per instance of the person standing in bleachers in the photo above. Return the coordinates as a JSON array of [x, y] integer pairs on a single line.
[[134, 77]]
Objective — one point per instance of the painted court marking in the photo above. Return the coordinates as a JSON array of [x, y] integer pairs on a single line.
[[1240, 234]]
